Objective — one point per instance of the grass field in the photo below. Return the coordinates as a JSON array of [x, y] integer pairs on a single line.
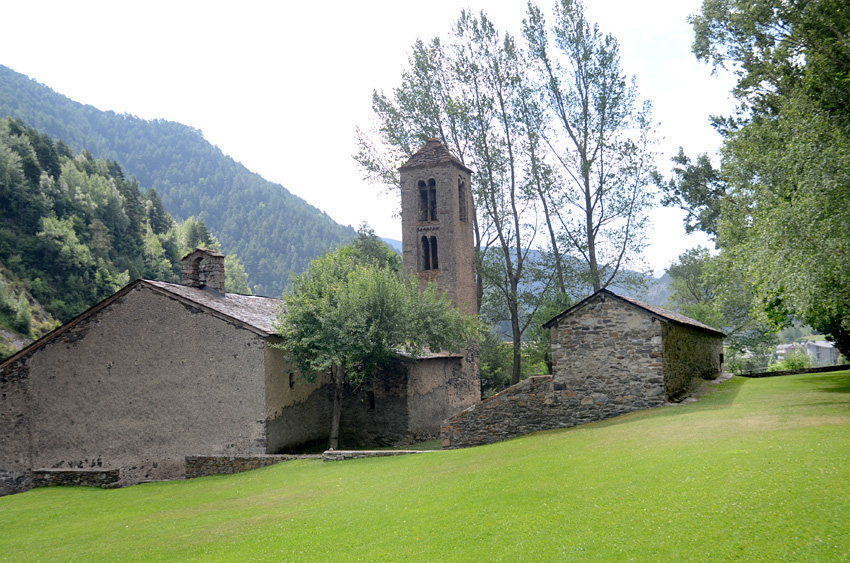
[[758, 470]]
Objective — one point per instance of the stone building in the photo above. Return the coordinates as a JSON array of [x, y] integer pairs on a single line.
[[611, 355], [160, 371]]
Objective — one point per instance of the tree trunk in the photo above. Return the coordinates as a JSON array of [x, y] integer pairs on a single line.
[[337, 376], [516, 371]]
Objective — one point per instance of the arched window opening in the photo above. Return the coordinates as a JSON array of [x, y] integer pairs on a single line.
[[432, 192], [428, 200], [429, 254], [434, 264], [461, 199], [423, 201], [426, 254]]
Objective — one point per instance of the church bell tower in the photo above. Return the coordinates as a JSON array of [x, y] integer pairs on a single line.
[[436, 219]]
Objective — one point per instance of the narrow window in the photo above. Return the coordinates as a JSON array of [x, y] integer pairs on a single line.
[[291, 380], [426, 254], [423, 201], [461, 199], [434, 264], [370, 400], [432, 192]]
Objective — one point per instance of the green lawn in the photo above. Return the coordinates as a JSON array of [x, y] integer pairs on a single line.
[[759, 470]]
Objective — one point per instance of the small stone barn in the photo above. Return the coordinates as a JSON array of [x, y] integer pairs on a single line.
[[614, 350], [160, 371], [610, 355]]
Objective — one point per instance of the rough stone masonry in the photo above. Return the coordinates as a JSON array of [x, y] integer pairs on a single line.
[[611, 355]]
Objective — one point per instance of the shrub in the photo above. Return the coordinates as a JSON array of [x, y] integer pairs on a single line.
[[798, 359]]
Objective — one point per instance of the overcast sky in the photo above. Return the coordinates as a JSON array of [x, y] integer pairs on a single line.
[[281, 86]]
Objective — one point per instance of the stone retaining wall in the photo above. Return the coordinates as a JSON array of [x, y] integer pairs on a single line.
[[206, 465], [825, 369], [537, 403], [75, 477], [526, 407], [342, 455]]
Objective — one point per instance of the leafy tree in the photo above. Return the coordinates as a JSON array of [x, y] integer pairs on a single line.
[[158, 217], [697, 188], [74, 229], [798, 359], [193, 233], [348, 315], [784, 213]]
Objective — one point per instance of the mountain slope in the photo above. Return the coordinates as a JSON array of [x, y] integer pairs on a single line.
[[274, 232]]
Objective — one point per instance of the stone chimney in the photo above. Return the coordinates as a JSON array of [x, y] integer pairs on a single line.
[[204, 269]]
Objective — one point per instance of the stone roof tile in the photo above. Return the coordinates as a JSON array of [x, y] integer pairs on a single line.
[[252, 310], [432, 153]]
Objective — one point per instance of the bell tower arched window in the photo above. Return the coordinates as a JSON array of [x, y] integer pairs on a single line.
[[428, 200], [461, 199], [434, 263], [430, 260]]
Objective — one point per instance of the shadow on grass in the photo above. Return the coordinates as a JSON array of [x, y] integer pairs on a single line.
[[832, 383]]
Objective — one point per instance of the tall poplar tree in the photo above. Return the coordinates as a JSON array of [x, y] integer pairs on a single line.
[[479, 93]]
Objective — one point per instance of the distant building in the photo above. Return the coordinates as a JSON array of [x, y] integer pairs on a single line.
[[784, 351], [821, 353]]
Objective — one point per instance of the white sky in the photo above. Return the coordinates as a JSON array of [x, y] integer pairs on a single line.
[[281, 86]]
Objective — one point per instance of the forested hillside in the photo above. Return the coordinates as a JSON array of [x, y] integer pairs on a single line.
[[274, 232], [74, 229]]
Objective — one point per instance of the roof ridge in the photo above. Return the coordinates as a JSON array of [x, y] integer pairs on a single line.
[[431, 153]]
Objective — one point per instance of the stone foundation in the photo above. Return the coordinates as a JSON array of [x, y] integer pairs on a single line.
[[343, 455], [105, 478], [204, 466]]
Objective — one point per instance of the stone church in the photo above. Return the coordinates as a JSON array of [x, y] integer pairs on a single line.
[[159, 371]]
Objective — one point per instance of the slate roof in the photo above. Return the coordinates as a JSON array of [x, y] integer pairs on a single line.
[[251, 311], [664, 314], [432, 153]]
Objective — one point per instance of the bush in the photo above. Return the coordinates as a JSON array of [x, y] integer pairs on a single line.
[[798, 359]]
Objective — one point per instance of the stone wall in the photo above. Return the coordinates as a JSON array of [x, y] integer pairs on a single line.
[[136, 385], [689, 354], [15, 452], [204, 466], [607, 357], [106, 478], [439, 388], [523, 408], [345, 455], [376, 414], [297, 411]]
